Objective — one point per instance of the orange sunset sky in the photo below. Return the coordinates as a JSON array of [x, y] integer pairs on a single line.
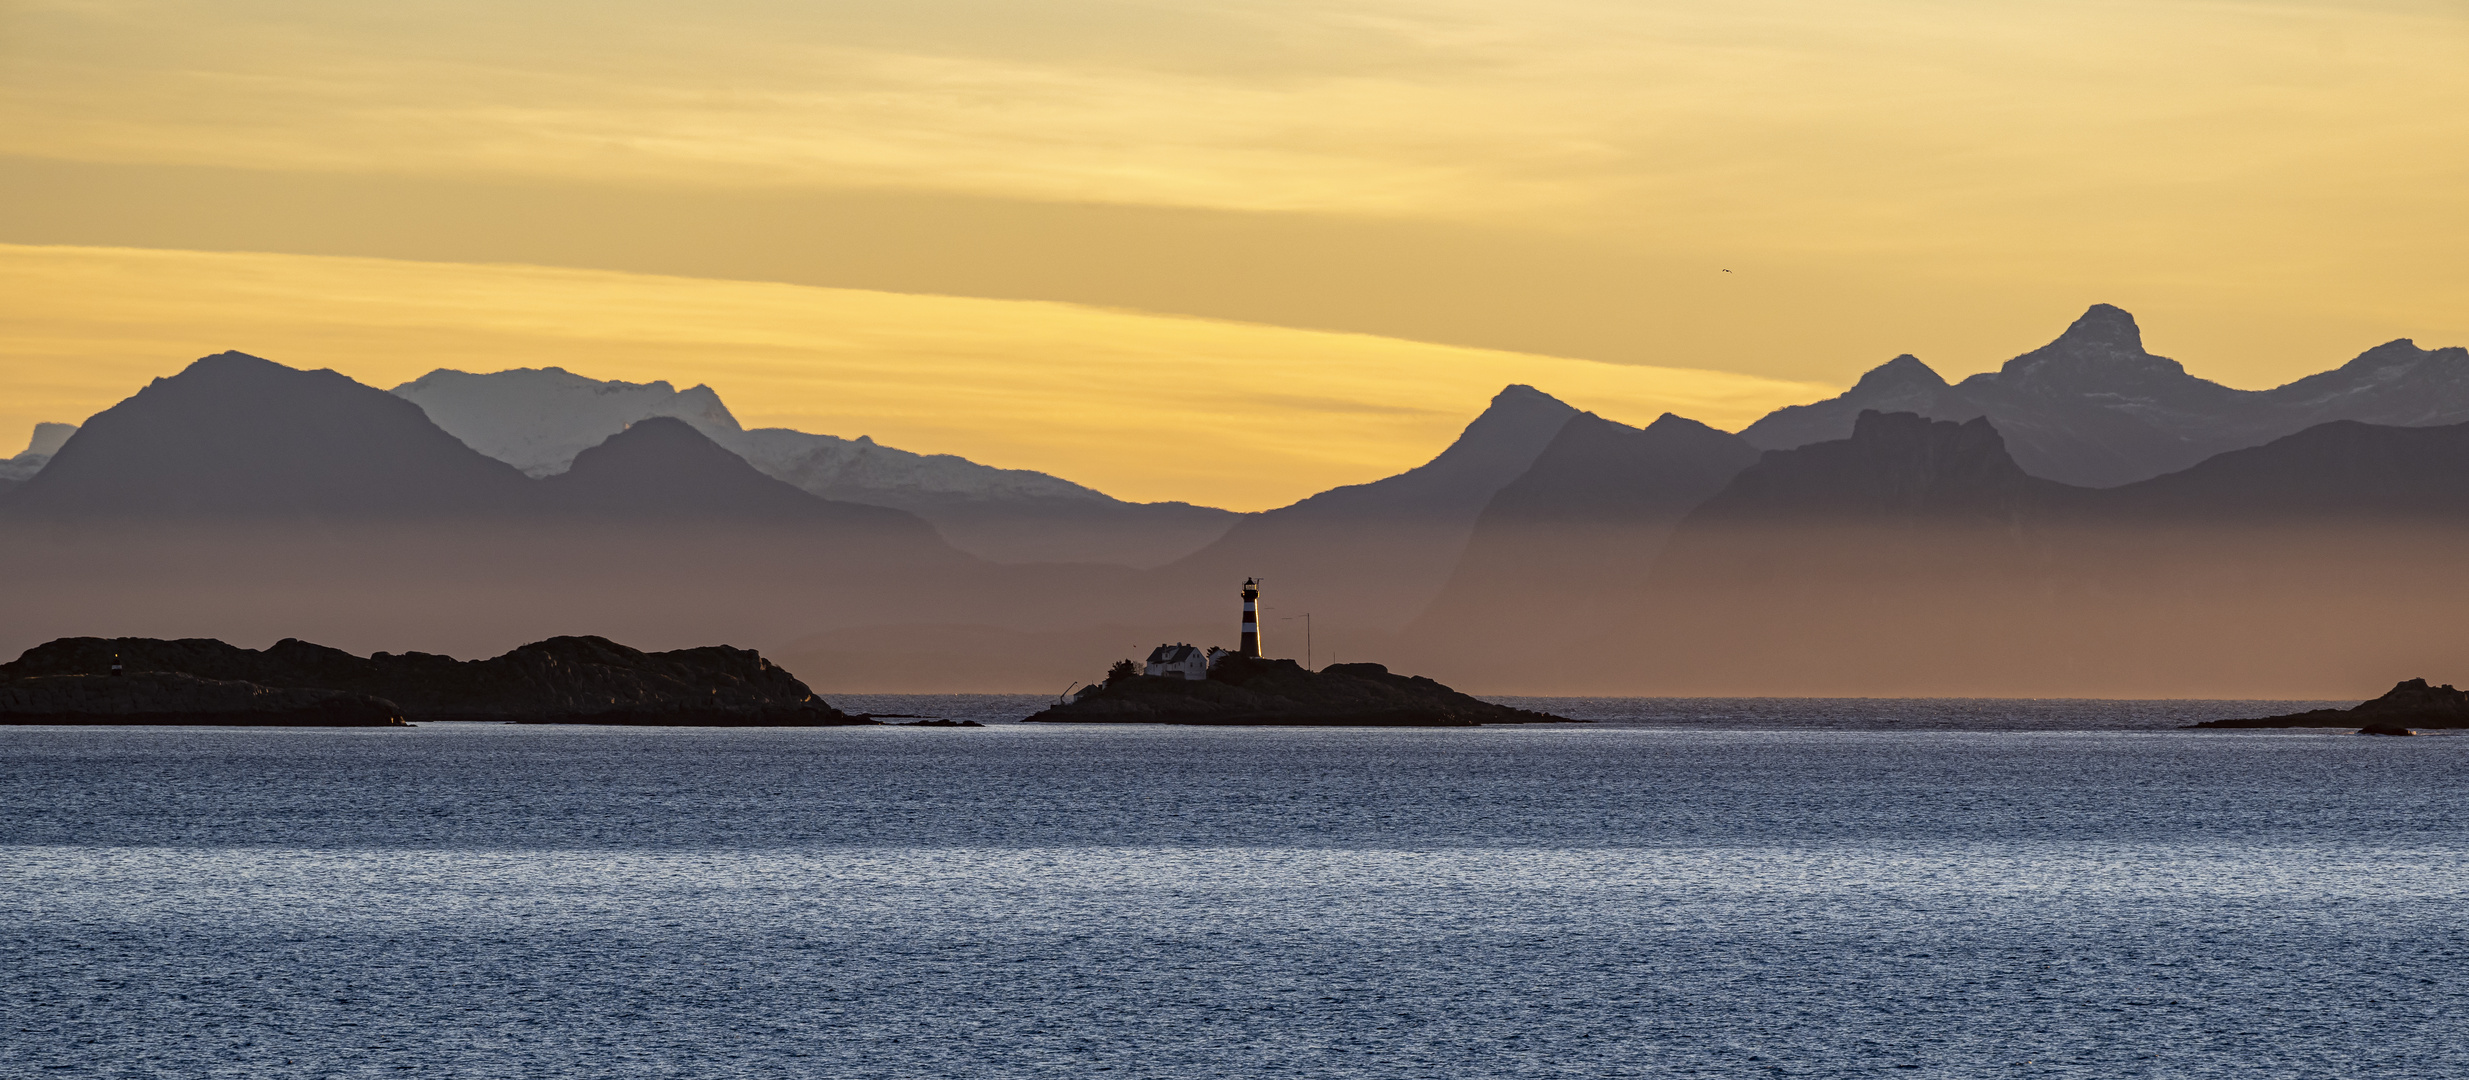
[[1229, 252]]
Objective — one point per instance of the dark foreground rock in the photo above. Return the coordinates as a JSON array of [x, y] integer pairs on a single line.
[[1258, 691], [157, 697], [564, 680], [2412, 704]]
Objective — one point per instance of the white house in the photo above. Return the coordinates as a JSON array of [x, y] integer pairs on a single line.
[[1177, 662]]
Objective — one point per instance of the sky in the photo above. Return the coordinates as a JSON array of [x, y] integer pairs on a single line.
[[1228, 252]]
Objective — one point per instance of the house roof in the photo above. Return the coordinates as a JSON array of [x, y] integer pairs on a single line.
[[1173, 654]]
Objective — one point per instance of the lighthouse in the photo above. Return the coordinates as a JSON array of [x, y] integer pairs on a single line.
[[1251, 618]]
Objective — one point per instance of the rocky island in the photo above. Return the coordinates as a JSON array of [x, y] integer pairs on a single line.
[[1257, 691], [160, 697], [562, 680], [2412, 704]]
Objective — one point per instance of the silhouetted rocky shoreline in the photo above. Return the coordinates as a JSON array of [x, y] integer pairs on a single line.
[[163, 697], [2411, 704], [1243, 690], [563, 680]]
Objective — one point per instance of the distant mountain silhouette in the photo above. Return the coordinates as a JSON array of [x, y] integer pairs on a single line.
[[1371, 556], [2395, 383], [242, 498], [2094, 408], [46, 442], [540, 420], [662, 469], [2339, 471], [1544, 550], [1497, 447], [1893, 465], [1918, 557], [1568, 544], [236, 436], [1903, 384]]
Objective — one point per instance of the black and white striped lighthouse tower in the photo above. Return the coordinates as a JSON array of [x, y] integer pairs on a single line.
[[1251, 617]]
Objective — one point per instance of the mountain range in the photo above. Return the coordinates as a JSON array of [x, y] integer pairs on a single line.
[[38, 452], [2093, 408], [2034, 529], [1917, 555], [540, 419]]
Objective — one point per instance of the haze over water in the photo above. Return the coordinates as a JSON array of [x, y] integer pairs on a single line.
[[1720, 889]]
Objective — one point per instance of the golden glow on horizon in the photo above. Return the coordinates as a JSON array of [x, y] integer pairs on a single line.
[[1140, 406], [2273, 185], [2295, 161]]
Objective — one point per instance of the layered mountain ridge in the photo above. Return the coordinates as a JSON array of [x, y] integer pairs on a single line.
[[541, 419], [1918, 556], [1368, 557], [2096, 409], [1905, 537]]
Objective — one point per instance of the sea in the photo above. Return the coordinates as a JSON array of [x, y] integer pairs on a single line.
[[1779, 888]]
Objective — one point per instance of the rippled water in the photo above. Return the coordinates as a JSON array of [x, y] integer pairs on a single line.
[[1698, 889]]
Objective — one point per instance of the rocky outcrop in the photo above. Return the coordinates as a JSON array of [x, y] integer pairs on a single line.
[[1241, 690], [564, 680], [2412, 704], [158, 697]]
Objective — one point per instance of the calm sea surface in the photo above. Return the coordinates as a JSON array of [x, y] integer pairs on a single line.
[[1702, 888]]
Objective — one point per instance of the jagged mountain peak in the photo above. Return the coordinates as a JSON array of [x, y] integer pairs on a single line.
[[1492, 450], [1677, 424], [538, 419], [1894, 462], [239, 434], [1904, 372], [2401, 354], [2104, 325], [1518, 403], [666, 441], [2100, 355], [661, 467], [1973, 437], [229, 361], [1901, 385], [48, 438]]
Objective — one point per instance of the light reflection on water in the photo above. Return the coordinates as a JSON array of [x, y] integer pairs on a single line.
[[469, 900]]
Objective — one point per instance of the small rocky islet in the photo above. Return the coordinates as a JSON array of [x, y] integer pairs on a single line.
[[562, 680], [2408, 706], [171, 697], [1250, 690], [592, 680]]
